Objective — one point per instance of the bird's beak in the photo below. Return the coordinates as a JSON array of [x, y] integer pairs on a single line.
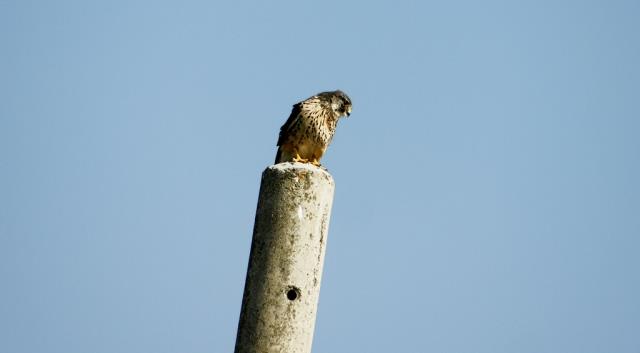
[[348, 112]]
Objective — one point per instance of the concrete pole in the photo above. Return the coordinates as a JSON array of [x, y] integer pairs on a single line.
[[287, 254]]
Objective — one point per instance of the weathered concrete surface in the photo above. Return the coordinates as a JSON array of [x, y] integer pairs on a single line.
[[287, 254]]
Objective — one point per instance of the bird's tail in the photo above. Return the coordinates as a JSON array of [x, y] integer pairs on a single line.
[[283, 155], [278, 156]]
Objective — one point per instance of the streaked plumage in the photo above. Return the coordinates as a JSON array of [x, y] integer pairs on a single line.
[[307, 133]]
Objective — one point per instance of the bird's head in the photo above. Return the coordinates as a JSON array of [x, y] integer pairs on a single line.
[[340, 103]]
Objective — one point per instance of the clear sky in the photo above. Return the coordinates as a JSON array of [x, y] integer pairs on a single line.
[[487, 197]]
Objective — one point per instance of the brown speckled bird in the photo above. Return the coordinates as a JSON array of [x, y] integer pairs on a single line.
[[305, 136]]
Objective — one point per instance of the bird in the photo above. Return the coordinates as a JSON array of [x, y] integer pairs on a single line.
[[308, 131]]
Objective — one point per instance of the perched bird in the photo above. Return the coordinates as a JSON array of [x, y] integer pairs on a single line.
[[305, 136]]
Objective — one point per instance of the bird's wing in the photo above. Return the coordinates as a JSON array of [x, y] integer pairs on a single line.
[[293, 119]]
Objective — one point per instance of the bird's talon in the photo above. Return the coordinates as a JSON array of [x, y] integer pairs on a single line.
[[299, 159]]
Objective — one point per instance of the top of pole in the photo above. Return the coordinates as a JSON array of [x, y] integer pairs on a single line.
[[300, 168]]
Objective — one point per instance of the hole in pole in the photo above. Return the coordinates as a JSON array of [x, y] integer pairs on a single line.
[[293, 293]]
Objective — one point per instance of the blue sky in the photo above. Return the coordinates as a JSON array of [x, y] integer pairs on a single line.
[[487, 192]]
